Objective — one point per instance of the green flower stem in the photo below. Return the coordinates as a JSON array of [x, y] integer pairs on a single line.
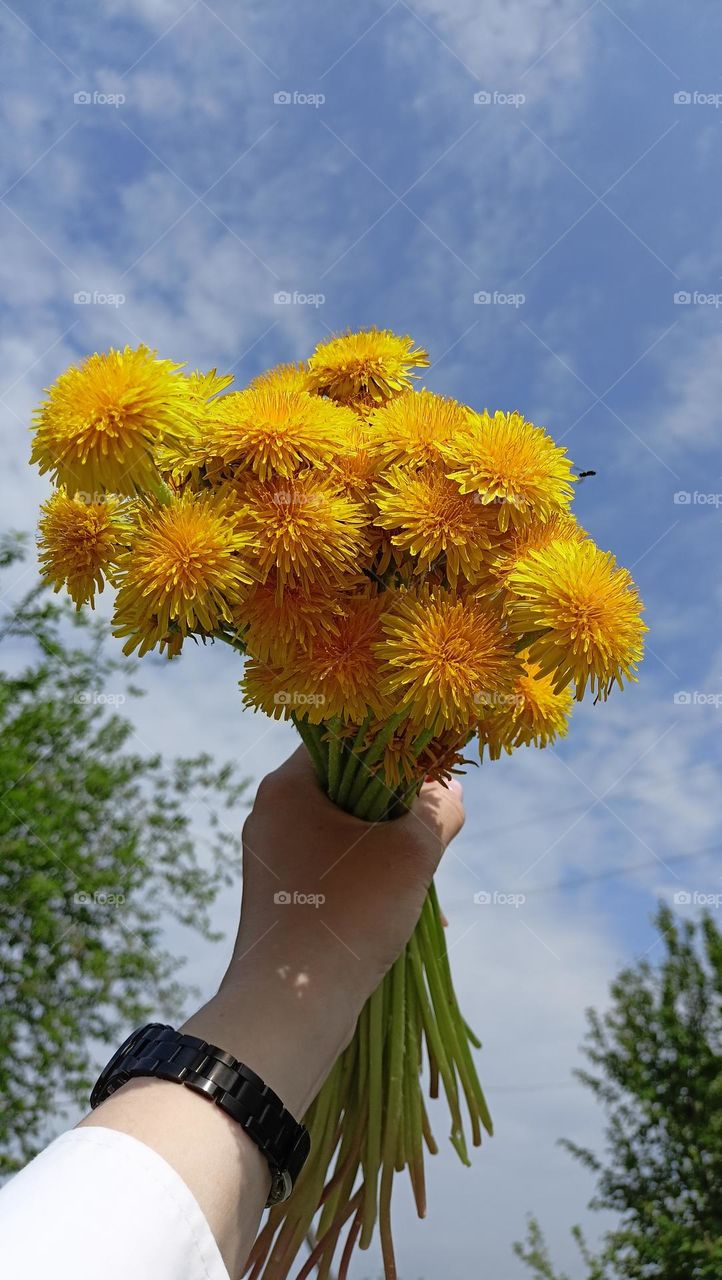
[[362, 1035], [413, 1127], [433, 1036], [161, 492], [464, 1035], [376, 791], [335, 743], [394, 1087], [528, 639], [349, 1247], [423, 740], [336, 1192], [471, 1036], [265, 1254], [351, 766], [448, 1017], [436, 930], [339, 1200], [321, 1256], [373, 755], [374, 1012], [301, 1212], [428, 1136], [405, 799], [323, 747], [232, 640]]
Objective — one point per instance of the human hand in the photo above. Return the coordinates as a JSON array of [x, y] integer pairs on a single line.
[[329, 901]]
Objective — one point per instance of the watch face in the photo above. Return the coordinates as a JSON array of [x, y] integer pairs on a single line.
[[115, 1064]]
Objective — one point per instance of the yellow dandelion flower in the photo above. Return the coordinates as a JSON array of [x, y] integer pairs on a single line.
[[579, 615], [356, 467], [305, 529], [511, 463], [283, 377], [102, 421], [402, 760], [338, 676], [185, 458], [414, 428], [442, 654], [79, 543], [365, 368], [444, 756], [265, 688], [277, 623], [186, 571], [534, 712], [516, 544], [204, 388], [275, 432], [429, 518]]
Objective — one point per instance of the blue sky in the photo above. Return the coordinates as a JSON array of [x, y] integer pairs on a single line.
[[581, 196]]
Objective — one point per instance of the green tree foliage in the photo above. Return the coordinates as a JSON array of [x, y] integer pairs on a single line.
[[97, 851], [656, 1067]]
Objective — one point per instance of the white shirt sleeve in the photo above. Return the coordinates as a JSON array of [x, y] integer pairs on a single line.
[[100, 1205]]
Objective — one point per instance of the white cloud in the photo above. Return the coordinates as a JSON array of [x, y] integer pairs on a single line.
[[504, 40], [689, 417]]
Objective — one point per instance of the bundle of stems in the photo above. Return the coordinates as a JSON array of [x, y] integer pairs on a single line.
[[370, 1121]]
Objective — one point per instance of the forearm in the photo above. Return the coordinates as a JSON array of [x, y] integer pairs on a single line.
[[276, 1026]]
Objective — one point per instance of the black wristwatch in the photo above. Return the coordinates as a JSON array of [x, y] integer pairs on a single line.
[[161, 1052]]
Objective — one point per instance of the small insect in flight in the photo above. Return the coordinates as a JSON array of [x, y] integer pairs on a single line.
[[583, 474]]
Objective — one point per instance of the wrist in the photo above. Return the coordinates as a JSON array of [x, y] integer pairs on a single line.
[[289, 1034]]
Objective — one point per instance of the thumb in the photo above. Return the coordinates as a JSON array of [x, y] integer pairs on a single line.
[[441, 810]]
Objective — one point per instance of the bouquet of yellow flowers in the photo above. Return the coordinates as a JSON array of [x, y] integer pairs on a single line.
[[402, 575]]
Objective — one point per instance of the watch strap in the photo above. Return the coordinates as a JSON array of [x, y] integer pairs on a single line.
[[162, 1053]]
